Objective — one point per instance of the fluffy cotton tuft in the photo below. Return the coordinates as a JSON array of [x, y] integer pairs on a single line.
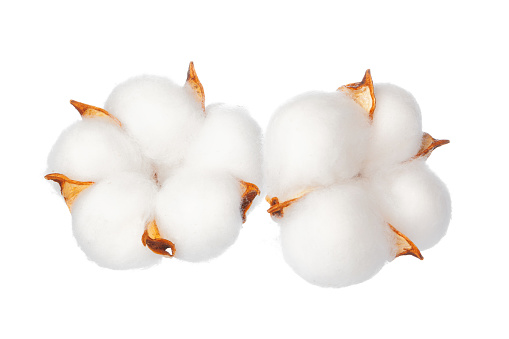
[[160, 115], [199, 212], [109, 219], [93, 149], [229, 141], [314, 140], [415, 201], [396, 128], [333, 237]]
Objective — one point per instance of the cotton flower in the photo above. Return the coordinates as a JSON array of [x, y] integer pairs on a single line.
[[157, 173], [347, 182]]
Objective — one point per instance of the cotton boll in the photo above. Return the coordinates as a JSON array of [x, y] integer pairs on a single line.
[[415, 201], [397, 127], [161, 115], [334, 237], [229, 141], [199, 212], [92, 149], [316, 139], [109, 219]]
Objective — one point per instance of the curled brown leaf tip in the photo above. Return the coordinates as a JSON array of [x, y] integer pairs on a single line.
[[195, 84], [152, 239], [363, 93], [69, 188], [250, 193], [89, 111], [428, 145], [405, 246], [159, 246]]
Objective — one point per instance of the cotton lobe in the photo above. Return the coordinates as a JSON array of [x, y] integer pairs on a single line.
[[334, 237], [93, 149], [314, 140], [161, 115]]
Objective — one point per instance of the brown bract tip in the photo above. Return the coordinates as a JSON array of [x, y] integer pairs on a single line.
[[89, 111], [195, 84], [68, 187], [250, 193], [363, 93], [404, 245], [428, 145], [152, 239]]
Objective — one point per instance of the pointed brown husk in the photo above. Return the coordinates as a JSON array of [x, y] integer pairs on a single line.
[[363, 93], [195, 84], [153, 240], [89, 111], [69, 188], [428, 145], [250, 193], [404, 245]]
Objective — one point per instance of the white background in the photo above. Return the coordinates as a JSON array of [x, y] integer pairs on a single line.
[[452, 57]]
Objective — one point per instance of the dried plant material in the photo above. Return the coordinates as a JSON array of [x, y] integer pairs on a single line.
[[429, 144], [250, 193], [153, 240], [68, 187], [405, 246], [363, 93], [88, 111], [195, 84], [277, 209]]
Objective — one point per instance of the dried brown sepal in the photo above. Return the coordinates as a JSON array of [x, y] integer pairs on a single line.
[[277, 209], [250, 193], [68, 187], [152, 239], [88, 111], [404, 245], [363, 93], [428, 145], [195, 84]]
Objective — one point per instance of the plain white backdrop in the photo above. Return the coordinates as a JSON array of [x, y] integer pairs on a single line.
[[451, 55]]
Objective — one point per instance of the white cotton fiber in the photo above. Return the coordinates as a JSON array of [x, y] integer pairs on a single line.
[[160, 115], [199, 212], [314, 140], [334, 237], [93, 149], [415, 201], [109, 219], [397, 127], [229, 141]]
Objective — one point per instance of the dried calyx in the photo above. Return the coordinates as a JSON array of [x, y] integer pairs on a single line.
[[69, 188], [151, 238], [363, 93], [249, 194], [404, 245], [428, 145]]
